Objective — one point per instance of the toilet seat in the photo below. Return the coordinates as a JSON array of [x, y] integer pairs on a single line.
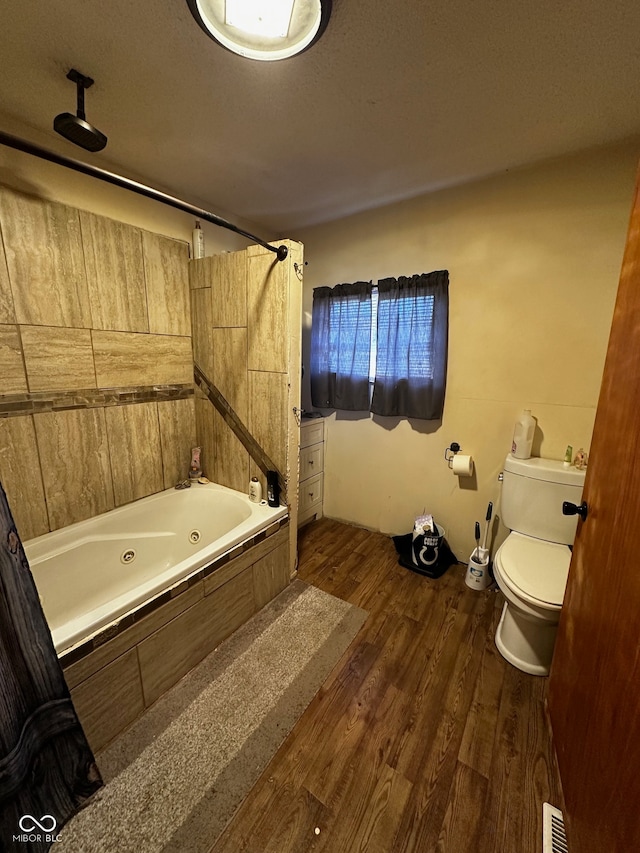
[[535, 570]]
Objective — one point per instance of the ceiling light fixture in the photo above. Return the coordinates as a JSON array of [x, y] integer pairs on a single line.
[[263, 29]]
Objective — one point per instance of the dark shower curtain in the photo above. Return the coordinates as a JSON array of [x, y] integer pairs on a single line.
[[47, 769]]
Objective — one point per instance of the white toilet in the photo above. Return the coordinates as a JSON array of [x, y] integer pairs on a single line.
[[532, 564]]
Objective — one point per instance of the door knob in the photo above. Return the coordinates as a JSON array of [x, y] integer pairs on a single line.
[[574, 509]]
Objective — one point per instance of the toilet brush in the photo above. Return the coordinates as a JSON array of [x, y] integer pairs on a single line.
[[477, 576], [486, 529]]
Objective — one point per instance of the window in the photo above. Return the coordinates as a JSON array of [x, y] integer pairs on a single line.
[[393, 336], [340, 346]]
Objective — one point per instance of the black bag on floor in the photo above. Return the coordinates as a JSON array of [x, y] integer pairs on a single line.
[[427, 554]]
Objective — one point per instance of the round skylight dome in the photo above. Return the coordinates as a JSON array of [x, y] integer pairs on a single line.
[[267, 30]]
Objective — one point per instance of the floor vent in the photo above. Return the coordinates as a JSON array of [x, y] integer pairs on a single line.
[[553, 838]]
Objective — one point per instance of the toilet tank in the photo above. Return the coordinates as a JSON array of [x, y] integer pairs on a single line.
[[533, 491]]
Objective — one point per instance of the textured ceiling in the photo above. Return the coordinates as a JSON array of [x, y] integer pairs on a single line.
[[395, 100]]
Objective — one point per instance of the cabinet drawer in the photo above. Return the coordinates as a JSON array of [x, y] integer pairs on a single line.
[[311, 432], [310, 493], [311, 461]]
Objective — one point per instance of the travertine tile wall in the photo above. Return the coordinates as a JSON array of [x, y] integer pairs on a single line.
[[89, 304], [246, 334], [225, 332], [219, 302]]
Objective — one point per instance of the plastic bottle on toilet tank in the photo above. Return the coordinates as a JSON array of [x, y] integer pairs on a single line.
[[523, 435]]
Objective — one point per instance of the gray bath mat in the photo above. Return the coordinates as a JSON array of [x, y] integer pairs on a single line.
[[175, 779]]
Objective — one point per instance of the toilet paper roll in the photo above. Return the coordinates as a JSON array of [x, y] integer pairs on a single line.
[[462, 465]]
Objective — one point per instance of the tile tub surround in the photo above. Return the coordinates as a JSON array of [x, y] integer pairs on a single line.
[[241, 307], [45, 261], [94, 315], [25, 403], [121, 672], [73, 472], [246, 322]]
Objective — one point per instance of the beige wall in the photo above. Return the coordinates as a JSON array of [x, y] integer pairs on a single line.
[[534, 258]]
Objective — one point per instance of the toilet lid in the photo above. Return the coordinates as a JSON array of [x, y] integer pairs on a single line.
[[536, 567]]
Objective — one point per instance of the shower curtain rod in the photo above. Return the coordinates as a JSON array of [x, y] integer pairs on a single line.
[[281, 252]]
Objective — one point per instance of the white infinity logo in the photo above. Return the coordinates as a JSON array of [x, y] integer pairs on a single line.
[[42, 824]]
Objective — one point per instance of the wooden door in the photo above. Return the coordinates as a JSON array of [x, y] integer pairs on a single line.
[[594, 686]]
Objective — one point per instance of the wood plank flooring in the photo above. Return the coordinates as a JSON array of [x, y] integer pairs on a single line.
[[422, 740]]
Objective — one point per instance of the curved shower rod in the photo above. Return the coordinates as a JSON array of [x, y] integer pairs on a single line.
[[281, 252]]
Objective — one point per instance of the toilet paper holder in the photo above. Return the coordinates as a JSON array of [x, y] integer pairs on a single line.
[[453, 448], [461, 465]]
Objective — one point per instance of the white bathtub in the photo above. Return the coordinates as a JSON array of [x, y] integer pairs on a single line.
[[87, 577]]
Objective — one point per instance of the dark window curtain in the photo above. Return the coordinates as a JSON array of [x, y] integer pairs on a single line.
[[411, 360], [47, 769], [340, 346]]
